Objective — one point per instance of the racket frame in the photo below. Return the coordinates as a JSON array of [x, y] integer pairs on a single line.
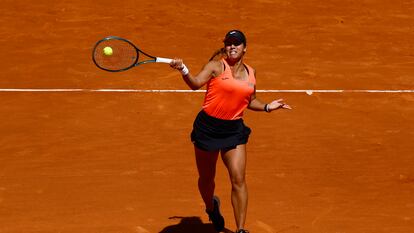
[[136, 62]]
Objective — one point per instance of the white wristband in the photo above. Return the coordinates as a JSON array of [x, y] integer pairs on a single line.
[[266, 108], [184, 71]]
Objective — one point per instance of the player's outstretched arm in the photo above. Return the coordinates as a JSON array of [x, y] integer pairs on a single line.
[[211, 69], [257, 105]]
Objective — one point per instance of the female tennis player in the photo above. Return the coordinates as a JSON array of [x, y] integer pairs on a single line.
[[219, 128]]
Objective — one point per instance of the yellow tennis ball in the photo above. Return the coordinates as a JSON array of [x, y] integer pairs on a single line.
[[108, 51]]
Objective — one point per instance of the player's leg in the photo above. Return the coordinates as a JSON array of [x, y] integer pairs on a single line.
[[235, 161], [206, 166]]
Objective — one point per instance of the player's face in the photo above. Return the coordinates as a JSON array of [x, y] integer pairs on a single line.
[[234, 49]]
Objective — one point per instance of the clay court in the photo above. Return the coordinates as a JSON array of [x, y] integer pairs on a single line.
[[78, 155]]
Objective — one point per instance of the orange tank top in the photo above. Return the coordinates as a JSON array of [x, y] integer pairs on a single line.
[[226, 97]]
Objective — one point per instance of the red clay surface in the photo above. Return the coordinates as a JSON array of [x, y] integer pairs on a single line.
[[122, 162]]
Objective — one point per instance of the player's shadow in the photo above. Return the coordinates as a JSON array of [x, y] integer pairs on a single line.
[[190, 225]]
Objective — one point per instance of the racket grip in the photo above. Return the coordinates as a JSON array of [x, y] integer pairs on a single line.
[[163, 60]]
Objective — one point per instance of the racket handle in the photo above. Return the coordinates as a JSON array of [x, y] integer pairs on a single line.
[[163, 60]]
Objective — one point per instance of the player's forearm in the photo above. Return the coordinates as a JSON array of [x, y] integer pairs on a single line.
[[256, 105], [191, 81]]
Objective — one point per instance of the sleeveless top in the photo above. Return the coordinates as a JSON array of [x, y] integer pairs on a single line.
[[226, 97]]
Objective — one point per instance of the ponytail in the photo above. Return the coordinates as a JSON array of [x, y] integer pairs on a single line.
[[219, 54]]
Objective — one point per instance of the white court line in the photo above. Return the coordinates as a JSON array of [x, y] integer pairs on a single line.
[[197, 91]]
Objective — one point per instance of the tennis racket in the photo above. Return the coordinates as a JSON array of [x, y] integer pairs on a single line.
[[115, 54]]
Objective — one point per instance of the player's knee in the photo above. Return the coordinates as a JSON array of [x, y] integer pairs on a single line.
[[238, 180]]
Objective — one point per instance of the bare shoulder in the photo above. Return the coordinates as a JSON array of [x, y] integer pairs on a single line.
[[250, 68], [215, 67], [254, 71]]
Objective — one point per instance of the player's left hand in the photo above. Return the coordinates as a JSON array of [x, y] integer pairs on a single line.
[[276, 104]]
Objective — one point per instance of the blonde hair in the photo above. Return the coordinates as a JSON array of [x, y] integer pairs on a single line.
[[219, 54]]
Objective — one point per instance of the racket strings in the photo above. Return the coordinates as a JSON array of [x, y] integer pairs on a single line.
[[124, 55]]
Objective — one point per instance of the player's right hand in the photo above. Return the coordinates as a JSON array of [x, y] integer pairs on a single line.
[[177, 63]]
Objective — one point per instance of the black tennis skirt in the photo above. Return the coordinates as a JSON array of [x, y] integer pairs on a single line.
[[212, 134]]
